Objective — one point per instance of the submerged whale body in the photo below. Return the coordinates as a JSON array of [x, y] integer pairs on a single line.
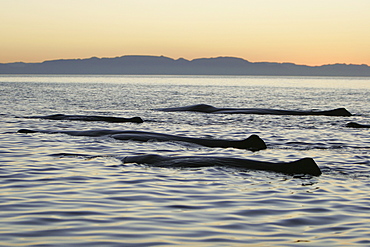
[[357, 125], [253, 143], [91, 118], [303, 166], [211, 109]]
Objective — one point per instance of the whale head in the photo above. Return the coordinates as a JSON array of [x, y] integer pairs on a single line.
[[303, 166], [253, 143]]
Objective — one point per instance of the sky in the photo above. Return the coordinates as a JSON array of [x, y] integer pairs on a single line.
[[310, 32]]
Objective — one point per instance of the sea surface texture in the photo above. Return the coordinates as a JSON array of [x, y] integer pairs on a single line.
[[62, 190]]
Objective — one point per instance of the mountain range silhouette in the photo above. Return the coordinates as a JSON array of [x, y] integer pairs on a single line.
[[160, 65]]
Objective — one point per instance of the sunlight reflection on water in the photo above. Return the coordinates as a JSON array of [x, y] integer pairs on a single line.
[[53, 200]]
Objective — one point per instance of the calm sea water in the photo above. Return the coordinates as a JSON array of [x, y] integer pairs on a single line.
[[52, 200]]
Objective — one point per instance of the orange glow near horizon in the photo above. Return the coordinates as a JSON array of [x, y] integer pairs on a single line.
[[311, 32]]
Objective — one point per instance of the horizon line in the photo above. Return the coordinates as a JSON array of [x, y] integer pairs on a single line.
[[219, 56]]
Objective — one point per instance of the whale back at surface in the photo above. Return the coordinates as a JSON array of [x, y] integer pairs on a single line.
[[252, 143], [302, 166], [195, 108], [357, 125], [211, 109], [90, 118]]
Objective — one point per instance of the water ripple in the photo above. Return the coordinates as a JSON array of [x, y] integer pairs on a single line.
[[59, 190]]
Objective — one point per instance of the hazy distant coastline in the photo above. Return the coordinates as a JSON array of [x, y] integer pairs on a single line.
[[160, 65]]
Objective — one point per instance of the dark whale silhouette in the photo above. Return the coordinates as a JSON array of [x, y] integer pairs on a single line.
[[357, 125], [302, 166], [210, 109], [90, 118], [253, 143]]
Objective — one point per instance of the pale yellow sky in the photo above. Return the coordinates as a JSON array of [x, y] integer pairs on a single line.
[[312, 32]]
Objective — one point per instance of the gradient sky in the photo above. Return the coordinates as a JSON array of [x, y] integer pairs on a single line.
[[312, 32]]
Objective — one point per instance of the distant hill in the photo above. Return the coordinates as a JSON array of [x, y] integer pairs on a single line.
[[160, 65]]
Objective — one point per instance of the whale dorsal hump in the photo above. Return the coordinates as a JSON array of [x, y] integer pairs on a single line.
[[201, 108], [340, 112]]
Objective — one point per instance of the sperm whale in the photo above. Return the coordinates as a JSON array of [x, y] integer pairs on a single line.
[[357, 125], [301, 166], [211, 109], [253, 142], [90, 118]]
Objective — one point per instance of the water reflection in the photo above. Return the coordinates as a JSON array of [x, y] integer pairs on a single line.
[[97, 201]]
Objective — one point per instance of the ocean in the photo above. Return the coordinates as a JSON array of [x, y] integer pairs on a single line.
[[92, 198]]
